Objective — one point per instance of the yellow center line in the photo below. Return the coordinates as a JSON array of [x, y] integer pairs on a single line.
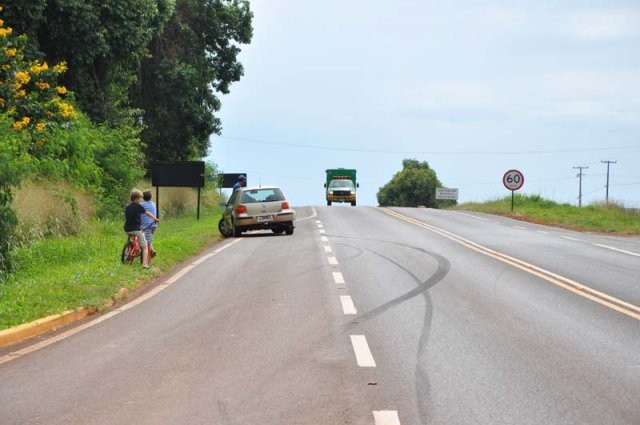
[[599, 297]]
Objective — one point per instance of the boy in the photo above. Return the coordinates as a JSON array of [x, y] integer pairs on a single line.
[[148, 225], [133, 223]]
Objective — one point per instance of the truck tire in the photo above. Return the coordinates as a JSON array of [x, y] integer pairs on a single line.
[[353, 203], [329, 203]]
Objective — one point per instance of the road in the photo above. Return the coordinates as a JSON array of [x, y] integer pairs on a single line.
[[363, 316]]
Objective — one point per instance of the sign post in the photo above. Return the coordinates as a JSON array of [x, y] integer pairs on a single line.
[[513, 180]]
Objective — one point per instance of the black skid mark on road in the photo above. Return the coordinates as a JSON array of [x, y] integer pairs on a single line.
[[423, 387]]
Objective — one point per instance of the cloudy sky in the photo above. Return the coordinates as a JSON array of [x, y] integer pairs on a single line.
[[473, 88]]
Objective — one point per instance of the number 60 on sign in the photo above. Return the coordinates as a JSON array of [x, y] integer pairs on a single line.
[[513, 179]]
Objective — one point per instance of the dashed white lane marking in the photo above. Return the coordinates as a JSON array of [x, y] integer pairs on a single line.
[[338, 278], [617, 249], [320, 226], [324, 239], [318, 221], [348, 307], [470, 216], [332, 260], [386, 417], [364, 358], [327, 248], [543, 232], [321, 231], [520, 227], [570, 238]]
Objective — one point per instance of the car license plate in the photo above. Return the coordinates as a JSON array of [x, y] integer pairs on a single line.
[[264, 218]]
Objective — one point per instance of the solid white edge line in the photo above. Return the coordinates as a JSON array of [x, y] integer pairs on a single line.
[[386, 417], [569, 238], [617, 249], [364, 358], [338, 278], [348, 307], [64, 335]]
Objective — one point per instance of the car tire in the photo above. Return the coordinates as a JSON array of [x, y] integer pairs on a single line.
[[289, 229], [223, 229], [278, 230], [353, 204], [237, 232], [328, 203]]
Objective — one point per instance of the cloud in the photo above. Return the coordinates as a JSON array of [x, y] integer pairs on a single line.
[[604, 24], [566, 95]]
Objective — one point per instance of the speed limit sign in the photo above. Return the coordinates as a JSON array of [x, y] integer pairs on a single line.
[[513, 179]]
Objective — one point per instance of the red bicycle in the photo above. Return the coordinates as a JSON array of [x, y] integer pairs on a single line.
[[131, 250]]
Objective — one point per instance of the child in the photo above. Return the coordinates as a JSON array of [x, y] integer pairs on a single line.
[[148, 225], [133, 224]]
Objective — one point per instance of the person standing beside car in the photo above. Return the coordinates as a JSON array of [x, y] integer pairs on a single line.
[[149, 226], [242, 182]]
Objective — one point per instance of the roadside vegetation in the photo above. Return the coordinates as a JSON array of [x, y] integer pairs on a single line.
[[91, 94], [57, 271], [598, 217]]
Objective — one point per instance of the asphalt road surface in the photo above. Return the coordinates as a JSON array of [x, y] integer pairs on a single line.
[[362, 316]]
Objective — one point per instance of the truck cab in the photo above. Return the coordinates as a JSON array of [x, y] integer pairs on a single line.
[[341, 186]]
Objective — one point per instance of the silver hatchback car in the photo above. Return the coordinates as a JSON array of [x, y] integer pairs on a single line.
[[254, 208]]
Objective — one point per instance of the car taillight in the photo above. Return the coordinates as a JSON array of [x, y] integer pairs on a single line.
[[241, 209], [285, 205]]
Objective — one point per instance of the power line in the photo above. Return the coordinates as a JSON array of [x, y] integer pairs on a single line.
[[385, 151]]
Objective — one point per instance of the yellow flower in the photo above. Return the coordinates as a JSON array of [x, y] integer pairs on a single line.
[[37, 68], [40, 127], [60, 68], [66, 110], [42, 86], [11, 52], [2, 102], [5, 32], [19, 125], [22, 77], [20, 93], [6, 67], [61, 90]]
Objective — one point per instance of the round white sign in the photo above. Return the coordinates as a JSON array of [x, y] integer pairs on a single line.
[[513, 180]]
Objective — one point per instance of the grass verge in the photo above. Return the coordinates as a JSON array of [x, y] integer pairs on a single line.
[[54, 275], [533, 208]]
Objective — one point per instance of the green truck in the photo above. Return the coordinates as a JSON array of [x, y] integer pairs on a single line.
[[341, 185]]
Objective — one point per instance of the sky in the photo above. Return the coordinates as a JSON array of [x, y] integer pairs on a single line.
[[473, 88]]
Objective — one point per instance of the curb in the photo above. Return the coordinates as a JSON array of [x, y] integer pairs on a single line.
[[37, 327]]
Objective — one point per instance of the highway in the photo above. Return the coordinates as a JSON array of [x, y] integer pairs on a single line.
[[364, 315]]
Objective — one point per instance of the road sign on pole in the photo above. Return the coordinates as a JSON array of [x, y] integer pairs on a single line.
[[513, 180], [446, 193]]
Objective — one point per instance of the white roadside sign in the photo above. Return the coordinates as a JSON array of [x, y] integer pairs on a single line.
[[447, 193]]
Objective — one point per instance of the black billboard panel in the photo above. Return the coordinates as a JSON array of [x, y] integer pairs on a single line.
[[178, 174], [227, 180]]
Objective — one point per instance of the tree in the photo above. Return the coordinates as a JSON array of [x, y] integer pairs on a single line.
[[194, 58], [413, 186], [102, 41]]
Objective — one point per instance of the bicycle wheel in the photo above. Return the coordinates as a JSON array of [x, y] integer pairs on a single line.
[[127, 251]]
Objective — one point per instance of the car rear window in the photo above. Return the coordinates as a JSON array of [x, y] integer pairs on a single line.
[[262, 195]]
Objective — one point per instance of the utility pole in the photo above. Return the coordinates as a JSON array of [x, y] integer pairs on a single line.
[[580, 187], [608, 163]]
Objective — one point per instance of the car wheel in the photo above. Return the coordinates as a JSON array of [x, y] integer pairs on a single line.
[[353, 204], [222, 228], [289, 229], [237, 232], [328, 203], [278, 230]]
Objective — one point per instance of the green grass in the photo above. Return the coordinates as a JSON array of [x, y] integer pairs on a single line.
[[593, 218], [55, 275]]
